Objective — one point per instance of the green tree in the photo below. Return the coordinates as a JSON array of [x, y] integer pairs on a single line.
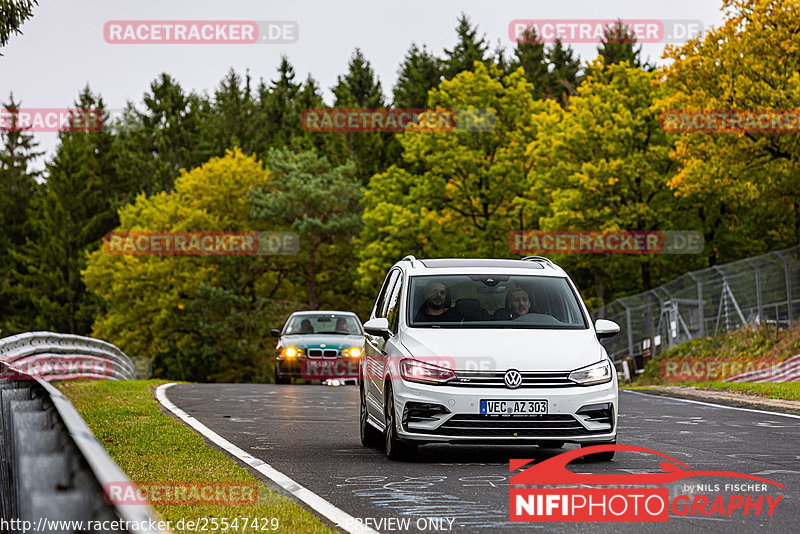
[[529, 53], [13, 14], [76, 207], [154, 144], [604, 164], [18, 186], [457, 192], [279, 106], [419, 73], [618, 45], [469, 48], [747, 184], [191, 314], [320, 203], [564, 71], [360, 88]]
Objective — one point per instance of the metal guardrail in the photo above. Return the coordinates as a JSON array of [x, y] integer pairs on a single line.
[[54, 356], [51, 466]]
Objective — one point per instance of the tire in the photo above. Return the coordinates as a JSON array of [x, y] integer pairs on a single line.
[[599, 456], [396, 449], [370, 436]]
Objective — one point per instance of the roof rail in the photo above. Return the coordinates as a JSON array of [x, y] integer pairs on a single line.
[[541, 259], [410, 258]]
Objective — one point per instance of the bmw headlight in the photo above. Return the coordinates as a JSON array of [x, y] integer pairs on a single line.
[[597, 373]]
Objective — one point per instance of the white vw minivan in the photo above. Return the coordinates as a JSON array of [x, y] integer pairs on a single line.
[[484, 351]]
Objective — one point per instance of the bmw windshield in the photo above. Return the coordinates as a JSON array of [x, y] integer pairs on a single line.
[[494, 301], [327, 323]]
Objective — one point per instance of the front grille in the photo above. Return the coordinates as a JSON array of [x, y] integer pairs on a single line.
[[528, 426], [494, 379], [320, 353]]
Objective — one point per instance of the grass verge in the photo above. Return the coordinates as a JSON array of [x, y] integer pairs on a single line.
[[772, 390], [151, 446]]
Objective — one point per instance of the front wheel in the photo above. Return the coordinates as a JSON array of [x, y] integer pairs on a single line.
[[396, 449]]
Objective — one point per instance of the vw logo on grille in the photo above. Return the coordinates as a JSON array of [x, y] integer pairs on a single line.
[[512, 378]]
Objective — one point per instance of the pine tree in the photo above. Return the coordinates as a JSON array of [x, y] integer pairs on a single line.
[[229, 122], [12, 15], [618, 44], [564, 67], [154, 144], [278, 104], [529, 54], [360, 88], [18, 186], [76, 207], [419, 72], [468, 49]]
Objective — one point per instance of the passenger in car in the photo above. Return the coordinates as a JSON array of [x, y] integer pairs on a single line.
[[305, 327], [518, 302], [434, 309]]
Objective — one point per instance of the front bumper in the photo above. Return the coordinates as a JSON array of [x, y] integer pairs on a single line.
[[340, 367], [575, 414]]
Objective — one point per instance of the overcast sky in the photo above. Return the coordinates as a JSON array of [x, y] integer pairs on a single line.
[[63, 48]]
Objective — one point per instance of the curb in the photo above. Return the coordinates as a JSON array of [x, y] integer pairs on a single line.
[[725, 397]]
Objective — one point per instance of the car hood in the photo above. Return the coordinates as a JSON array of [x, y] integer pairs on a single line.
[[317, 340], [502, 349]]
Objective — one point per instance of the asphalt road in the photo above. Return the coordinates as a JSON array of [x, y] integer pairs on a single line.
[[310, 433]]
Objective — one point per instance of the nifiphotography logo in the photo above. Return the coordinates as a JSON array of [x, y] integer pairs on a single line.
[[548, 491]]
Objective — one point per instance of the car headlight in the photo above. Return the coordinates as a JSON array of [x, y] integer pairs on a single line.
[[416, 371], [353, 352], [291, 352], [597, 373]]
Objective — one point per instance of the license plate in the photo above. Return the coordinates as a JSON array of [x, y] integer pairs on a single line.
[[513, 407]]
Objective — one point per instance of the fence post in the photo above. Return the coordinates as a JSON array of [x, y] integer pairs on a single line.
[[788, 286], [700, 304], [758, 290], [628, 322]]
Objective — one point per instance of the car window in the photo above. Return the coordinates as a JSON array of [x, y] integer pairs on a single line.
[[494, 301], [380, 305], [393, 308], [323, 323]]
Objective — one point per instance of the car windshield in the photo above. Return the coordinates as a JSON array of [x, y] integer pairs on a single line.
[[493, 301], [323, 323]]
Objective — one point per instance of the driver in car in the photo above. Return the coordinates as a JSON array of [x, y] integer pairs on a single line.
[[517, 303], [433, 309]]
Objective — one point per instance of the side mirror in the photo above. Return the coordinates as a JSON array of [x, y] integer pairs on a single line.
[[378, 326], [275, 332], [605, 328]]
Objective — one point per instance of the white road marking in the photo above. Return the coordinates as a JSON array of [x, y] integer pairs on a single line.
[[340, 518], [714, 405]]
